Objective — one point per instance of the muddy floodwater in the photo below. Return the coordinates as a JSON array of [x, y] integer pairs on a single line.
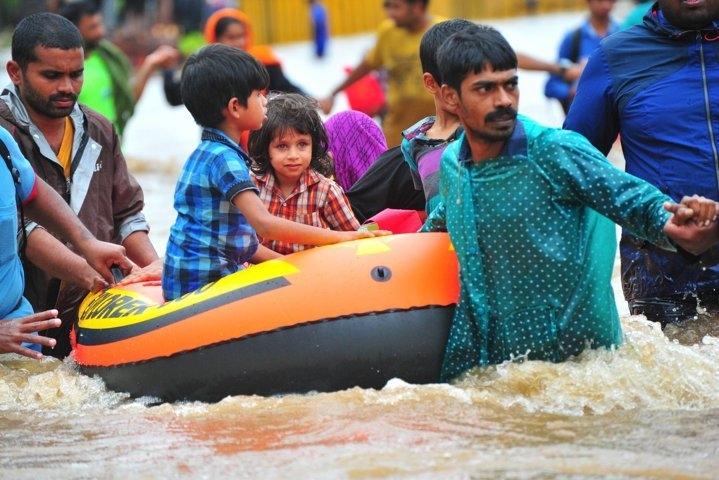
[[650, 409], [647, 410]]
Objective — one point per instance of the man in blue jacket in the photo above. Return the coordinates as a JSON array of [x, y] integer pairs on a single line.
[[657, 85]]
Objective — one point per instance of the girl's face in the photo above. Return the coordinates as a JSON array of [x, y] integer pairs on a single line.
[[234, 36], [290, 155]]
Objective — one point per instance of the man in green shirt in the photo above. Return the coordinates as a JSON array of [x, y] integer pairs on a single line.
[[528, 209], [110, 87]]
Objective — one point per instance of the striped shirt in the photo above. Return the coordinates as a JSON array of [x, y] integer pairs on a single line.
[[210, 237], [316, 201]]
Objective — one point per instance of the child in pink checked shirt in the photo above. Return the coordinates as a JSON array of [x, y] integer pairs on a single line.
[[291, 169]]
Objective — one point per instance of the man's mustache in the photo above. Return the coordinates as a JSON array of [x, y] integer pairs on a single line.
[[61, 97], [504, 113]]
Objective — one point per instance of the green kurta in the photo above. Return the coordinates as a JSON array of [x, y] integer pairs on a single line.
[[106, 64], [535, 257]]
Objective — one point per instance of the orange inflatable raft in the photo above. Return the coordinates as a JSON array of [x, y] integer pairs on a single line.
[[354, 314]]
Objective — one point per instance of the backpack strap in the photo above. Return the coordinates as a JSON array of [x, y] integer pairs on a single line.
[[575, 45], [5, 154]]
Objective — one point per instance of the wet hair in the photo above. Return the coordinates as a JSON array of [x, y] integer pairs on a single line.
[[46, 30], [434, 38], [214, 76], [472, 51], [290, 111], [75, 11], [224, 23]]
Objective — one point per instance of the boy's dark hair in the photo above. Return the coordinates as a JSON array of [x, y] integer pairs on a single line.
[[75, 11], [425, 3], [284, 112], [434, 38], [45, 30], [214, 76], [473, 51]]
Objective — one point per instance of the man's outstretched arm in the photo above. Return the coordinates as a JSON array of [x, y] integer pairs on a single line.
[[52, 212]]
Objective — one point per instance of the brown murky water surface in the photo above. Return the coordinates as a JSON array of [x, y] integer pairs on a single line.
[[648, 410]]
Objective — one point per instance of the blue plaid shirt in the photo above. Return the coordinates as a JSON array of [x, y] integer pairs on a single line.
[[210, 237]]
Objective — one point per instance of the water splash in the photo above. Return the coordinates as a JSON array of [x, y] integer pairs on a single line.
[[650, 371], [50, 386]]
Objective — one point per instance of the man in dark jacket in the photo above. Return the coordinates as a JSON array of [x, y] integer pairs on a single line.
[[77, 152], [657, 86]]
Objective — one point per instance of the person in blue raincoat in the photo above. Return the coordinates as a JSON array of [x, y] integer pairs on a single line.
[[528, 209], [656, 87]]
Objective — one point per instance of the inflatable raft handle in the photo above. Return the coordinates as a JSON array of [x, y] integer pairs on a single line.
[[116, 273]]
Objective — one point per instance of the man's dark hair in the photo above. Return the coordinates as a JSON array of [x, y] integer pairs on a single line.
[[75, 11], [44, 30], [425, 3], [215, 75], [473, 51], [434, 38], [290, 111]]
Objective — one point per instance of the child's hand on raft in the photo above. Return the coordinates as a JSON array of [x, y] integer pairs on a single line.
[[700, 210], [362, 233]]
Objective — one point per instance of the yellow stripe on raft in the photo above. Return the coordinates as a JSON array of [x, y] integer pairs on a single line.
[[139, 308]]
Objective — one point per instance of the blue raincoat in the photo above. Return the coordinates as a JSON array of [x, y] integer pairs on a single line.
[[658, 86]]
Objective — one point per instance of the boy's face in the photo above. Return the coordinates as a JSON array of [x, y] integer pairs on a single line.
[[290, 155], [486, 104], [431, 85], [255, 113]]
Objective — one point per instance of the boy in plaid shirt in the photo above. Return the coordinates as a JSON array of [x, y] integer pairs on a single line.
[[218, 211], [291, 166]]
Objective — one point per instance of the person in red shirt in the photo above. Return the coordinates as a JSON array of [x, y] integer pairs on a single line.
[[291, 167]]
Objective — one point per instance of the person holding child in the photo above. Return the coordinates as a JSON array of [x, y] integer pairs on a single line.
[[291, 169], [219, 213], [527, 209]]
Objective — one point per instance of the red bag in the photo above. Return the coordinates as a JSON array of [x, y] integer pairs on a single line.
[[366, 94]]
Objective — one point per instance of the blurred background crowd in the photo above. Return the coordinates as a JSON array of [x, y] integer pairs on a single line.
[[139, 26]]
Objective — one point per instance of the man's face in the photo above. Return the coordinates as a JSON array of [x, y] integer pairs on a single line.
[[50, 85], [92, 30], [690, 14], [402, 13], [601, 8], [486, 104]]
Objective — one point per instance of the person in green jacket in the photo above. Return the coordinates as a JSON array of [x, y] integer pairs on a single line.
[[111, 86], [530, 211]]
